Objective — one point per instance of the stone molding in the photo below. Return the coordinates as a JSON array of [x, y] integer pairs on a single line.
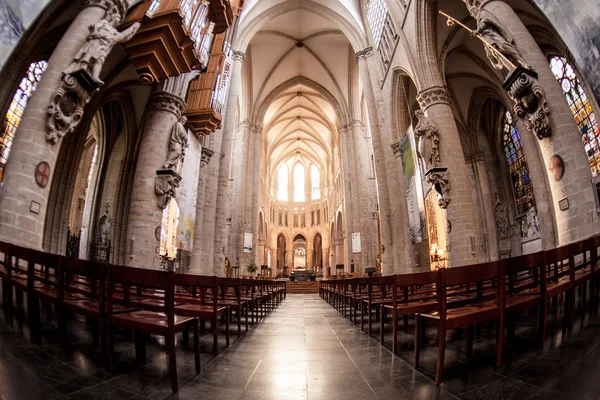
[[206, 156], [165, 184], [363, 54], [238, 55], [165, 101], [112, 7], [396, 148], [66, 107], [351, 125], [432, 96], [249, 125], [439, 179]]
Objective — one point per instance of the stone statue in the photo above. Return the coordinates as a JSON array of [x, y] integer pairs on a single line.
[[227, 269], [378, 263], [103, 36], [531, 225], [502, 226], [428, 141], [489, 30], [177, 145]]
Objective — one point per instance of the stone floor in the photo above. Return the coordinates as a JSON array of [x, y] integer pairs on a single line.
[[304, 350]]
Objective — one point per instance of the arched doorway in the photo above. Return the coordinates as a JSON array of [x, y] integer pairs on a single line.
[[317, 260], [299, 254], [281, 252]]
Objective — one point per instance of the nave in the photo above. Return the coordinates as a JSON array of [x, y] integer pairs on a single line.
[[304, 349]]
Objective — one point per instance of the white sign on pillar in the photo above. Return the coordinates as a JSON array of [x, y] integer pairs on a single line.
[[356, 242], [247, 243]]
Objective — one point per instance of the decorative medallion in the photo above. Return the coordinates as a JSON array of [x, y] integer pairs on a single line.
[[557, 167], [42, 174], [157, 233]]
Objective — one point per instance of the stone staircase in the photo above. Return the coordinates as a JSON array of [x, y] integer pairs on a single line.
[[303, 287]]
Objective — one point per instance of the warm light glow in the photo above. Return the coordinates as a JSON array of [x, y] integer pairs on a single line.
[[282, 187], [316, 182], [299, 182]]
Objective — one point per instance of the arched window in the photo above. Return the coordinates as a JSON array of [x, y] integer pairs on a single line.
[[299, 182], [376, 13], [282, 185], [16, 109], [315, 177], [517, 166], [581, 109]]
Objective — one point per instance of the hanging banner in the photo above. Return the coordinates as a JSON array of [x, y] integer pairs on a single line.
[[187, 194], [356, 242], [413, 184], [247, 243]]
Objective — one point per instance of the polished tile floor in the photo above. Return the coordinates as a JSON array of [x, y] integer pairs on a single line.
[[304, 350]]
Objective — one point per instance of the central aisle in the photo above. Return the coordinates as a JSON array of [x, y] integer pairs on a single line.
[[306, 350]]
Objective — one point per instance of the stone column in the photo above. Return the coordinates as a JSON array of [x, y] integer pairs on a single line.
[[145, 216], [350, 194], [487, 203], [252, 190], [195, 259], [435, 103], [395, 230], [219, 211], [580, 219], [23, 203]]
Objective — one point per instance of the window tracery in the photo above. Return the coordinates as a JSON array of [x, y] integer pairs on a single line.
[[299, 183], [17, 107], [581, 109], [517, 166], [316, 182]]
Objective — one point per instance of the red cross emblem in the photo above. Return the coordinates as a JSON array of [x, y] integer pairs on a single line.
[[42, 174]]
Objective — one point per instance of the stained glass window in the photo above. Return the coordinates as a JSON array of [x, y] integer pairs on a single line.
[[282, 185], [376, 13], [581, 109], [16, 109], [299, 182], [316, 182], [517, 166]]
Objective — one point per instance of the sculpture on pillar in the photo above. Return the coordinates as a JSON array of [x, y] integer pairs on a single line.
[[81, 79], [428, 141], [530, 226], [102, 38], [227, 268], [502, 225], [490, 31], [531, 105], [177, 145]]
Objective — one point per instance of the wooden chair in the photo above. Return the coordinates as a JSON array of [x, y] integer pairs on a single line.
[[560, 278], [379, 294], [148, 322], [230, 296], [17, 274], [585, 257], [198, 305], [43, 282], [4, 261], [465, 311], [409, 299]]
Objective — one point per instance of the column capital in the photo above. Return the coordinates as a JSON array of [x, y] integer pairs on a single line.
[[363, 54], [432, 96], [350, 125], [396, 148], [238, 55], [114, 8], [165, 101], [206, 156]]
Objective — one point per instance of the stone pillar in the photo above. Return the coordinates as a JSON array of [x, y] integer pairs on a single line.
[[350, 194], [145, 216], [580, 219], [195, 259], [23, 203], [395, 231], [253, 195], [487, 204], [220, 209], [435, 103]]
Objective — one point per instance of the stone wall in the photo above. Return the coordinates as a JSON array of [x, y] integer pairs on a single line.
[[577, 23]]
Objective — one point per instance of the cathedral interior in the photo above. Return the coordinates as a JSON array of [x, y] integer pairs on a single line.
[[336, 199]]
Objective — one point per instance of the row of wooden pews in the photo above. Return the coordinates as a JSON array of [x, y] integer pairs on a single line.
[[463, 297], [147, 302]]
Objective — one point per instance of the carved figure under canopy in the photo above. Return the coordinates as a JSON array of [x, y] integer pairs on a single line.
[[177, 145], [489, 29], [102, 38]]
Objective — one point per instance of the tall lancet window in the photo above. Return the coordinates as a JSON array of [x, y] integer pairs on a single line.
[[517, 166], [282, 183], [581, 109], [299, 182], [315, 177], [376, 12], [16, 109]]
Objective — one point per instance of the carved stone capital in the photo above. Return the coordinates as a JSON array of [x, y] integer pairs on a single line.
[[238, 55], [531, 105], [164, 101], [114, 8], [432, 96], [206, 156], [66, 107], [165, 184], [439, 179], [364, 54]]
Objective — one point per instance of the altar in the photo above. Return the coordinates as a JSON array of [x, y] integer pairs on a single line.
[[302, 276]]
